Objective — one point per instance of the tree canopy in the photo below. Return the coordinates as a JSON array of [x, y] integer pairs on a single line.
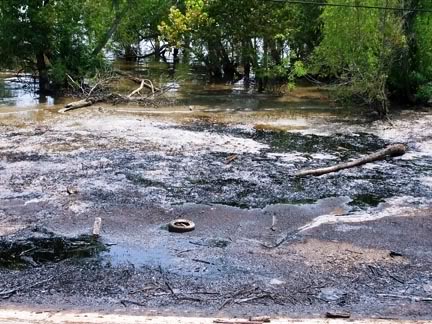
[[371, 51]]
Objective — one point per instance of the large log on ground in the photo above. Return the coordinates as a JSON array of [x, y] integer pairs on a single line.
[[76, 105], [391, 150]]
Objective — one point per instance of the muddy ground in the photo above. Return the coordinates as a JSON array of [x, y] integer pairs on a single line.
[[265, 243]]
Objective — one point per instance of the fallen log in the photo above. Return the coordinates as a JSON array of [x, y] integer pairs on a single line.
[[391, 150], [77, 104]]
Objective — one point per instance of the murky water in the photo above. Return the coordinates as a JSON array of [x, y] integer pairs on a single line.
[[21, 92]]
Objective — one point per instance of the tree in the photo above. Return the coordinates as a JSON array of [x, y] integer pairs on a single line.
[[422, 75], [53, 38], [264, 36], [359, 48], [141, 24], [411, 77]]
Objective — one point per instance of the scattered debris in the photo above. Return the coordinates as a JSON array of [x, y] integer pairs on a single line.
[[337, 315], [102, 92], [411, 298], [247, 295], [46, 247], [395, 254], [203, 261], [97, 227], [125, 303], [213, 243], [274, 221], [181, 226], [237, 321], [72, 190], [231, 158], [264, 319], [5, 294]]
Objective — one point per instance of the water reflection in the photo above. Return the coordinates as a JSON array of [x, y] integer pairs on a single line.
[[21, 92], [187, 83]]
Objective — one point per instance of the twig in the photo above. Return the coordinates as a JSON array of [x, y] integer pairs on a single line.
[[274, 221], [288, 236], [245, 300], [337, 315], [411, 298], [92, 89], [231, 158], [221, 321], [169, 287], [124, 302], [75, 83], [8, 293], [203, 261]]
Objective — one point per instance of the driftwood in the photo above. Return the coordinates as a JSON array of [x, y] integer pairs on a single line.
[[77, 104], [391, 150], [144, 83], [116, 98], [100, 92], [147, 84]]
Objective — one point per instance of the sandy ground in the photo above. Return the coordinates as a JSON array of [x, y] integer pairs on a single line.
[[14, 316]]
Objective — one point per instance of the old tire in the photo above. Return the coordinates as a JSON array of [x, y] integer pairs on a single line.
[[181, 226]]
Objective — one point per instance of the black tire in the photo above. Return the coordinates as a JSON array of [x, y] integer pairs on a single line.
[[181, 226]]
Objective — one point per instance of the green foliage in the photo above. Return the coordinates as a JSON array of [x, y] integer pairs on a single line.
[[267, 35], [359, 48], [372, 54], [50, 37], [423, 69], [141, 23]]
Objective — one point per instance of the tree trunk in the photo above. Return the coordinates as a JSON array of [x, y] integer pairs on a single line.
[[246, 62], [110, 32], [44, 84], [175, 55], [130, 53], [157, 49]]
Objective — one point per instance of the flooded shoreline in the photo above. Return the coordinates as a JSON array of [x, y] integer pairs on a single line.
[[279, 241]]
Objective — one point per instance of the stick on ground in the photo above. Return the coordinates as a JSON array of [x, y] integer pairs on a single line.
[[97, 226], [391, 150]]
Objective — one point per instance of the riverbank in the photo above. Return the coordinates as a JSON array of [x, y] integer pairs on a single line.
[[265, 243]]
